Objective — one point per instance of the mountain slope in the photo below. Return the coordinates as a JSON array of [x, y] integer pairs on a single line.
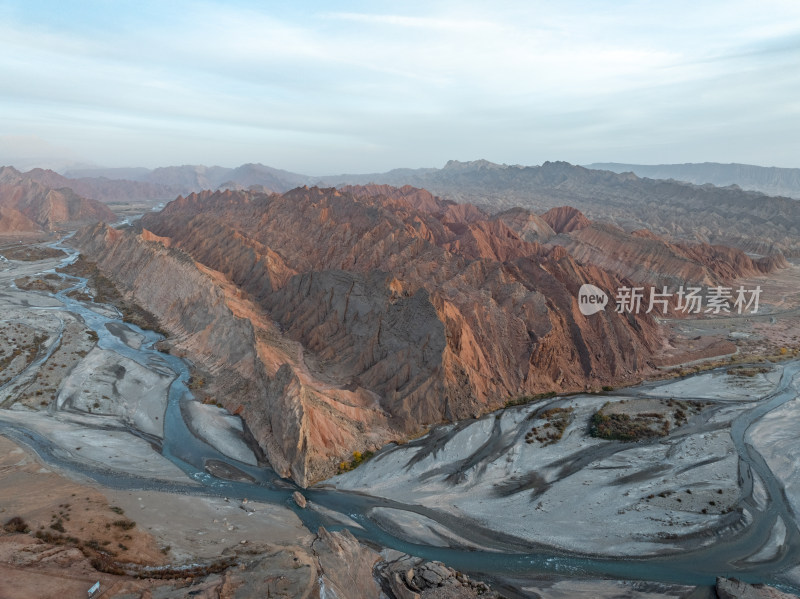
[[27, 205]]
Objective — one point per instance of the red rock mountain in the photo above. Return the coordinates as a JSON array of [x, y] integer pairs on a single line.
[[342, 322], [337, 320], [102, 189], [565, 219], [527, 225], [13, 221], [27, 205], [646, 258]]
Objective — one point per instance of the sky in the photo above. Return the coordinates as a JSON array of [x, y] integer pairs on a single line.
[[355, 87]]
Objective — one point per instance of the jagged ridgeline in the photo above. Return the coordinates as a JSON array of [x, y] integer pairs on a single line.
[[730, 216]]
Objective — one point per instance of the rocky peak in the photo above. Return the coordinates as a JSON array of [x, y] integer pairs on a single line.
[[565, 219], [456, 165]]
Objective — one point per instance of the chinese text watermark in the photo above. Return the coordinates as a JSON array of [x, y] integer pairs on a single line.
[[686, 300]]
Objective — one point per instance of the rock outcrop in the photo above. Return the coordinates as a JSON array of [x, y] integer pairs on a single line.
[[529, 226], [407, 577], [13, 221], [165, 183], [345, 566], [731, 588], [646, 258], [772, 181], [351, 243], [565, 219]]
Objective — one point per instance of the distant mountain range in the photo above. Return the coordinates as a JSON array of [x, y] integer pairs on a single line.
[[168, 182], [749, 220], [28, 205], [769, 180]]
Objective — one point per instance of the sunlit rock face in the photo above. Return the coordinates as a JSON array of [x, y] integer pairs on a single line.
[[334, 321]]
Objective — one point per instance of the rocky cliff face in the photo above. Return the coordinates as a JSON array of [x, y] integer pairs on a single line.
[[646, 258], [335, 321], [13, 221], [27, 205]]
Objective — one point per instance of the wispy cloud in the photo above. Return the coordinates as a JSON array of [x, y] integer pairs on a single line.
[[361, 90], [413, 22]]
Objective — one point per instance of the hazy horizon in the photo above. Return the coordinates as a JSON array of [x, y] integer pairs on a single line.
[[83, 169], [370, 87]]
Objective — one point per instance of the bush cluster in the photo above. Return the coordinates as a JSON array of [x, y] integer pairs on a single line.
[[16, 524], [556, 422], [358, 459], [623, 427]]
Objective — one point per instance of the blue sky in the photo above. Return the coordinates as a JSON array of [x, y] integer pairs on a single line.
[[323, 87]]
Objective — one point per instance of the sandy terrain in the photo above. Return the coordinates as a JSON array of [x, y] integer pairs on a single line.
[[269, 541], [609, 589], [772, 548], [418, 528], [721, 386], [581, 493], [106, 383], [43, 499], [197, 527], [772, 331], [128, 336], [32, 318], [101, 395], [780, 447], [220, 429], [112, 448]]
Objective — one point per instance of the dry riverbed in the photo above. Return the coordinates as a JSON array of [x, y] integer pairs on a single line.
[[582, 493]]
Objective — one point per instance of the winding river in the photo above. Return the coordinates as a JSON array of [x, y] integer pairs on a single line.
[[517, 562]]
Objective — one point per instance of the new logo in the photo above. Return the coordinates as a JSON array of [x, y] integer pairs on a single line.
[[591, 299]]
